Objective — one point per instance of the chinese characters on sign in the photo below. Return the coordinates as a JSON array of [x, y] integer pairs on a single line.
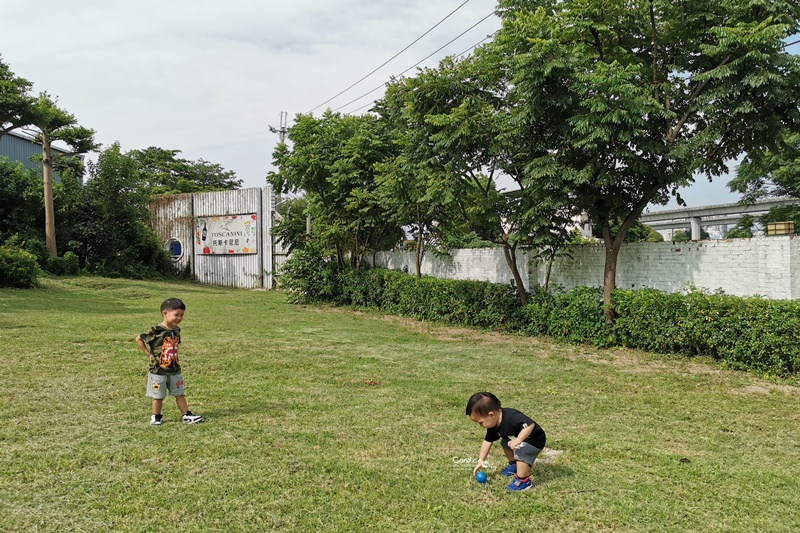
[[231, 234]]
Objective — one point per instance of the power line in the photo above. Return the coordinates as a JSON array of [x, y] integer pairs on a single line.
[[790, 44], [390, 59], [425, 59], [383, 84], [460, 54]]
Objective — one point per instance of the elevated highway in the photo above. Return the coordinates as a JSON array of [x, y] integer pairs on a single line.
[[695, 218]]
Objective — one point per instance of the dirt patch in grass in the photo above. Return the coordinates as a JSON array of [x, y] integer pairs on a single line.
[[549, 456], [458, 334], [764, 389]]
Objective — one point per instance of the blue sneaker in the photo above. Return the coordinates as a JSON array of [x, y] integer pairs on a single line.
[[520, 484], [510, 470]]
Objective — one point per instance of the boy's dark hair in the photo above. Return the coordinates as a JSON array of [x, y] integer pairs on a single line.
[[482, 403], [170, 304]]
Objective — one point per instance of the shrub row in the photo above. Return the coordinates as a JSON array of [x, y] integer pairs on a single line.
[[18, 268], [22, 262], [743, 333], [459, 302]]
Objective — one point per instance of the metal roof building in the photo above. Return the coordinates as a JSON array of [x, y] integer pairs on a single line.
[[20, 147]]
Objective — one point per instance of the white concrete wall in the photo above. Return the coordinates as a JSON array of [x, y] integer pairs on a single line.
[[766, 266], [481, 264]]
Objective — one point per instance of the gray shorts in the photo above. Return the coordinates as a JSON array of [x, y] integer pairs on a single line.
[[158, 385], [525, 452]]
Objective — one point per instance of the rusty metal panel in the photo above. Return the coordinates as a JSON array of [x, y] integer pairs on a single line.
[[175, 218], [171, 219], [242, 271]]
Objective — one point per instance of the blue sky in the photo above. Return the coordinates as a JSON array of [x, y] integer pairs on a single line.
[[208, 77]]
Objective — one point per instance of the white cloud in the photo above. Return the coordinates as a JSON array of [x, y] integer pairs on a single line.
[[208, 77]]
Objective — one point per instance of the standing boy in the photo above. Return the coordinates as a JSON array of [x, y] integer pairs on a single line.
[[160, 343], [522, 438]]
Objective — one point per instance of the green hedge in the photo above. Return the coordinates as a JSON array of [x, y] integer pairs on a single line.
[[18, 268], [743, 333], [467, 303]]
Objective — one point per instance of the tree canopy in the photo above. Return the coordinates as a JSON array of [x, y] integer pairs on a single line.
[[586, 106], [333, 160], [15, 100], [104, 222], [53, 123], [163, 172], [630, 99]]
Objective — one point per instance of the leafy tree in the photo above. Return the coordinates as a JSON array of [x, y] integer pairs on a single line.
[[682, 236], [291, 226], [409, 190], [55, 124], [333, 160], [685, 235], [782, 213], [742, 229], [468, 240], [654, 236], [113, 223], [774, 172], [21, 207], [459, 120], [771, 173], [15, 100], [163, 172], [628, 99], [639, 232]]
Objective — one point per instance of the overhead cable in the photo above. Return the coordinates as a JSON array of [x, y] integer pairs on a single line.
[[425, 59], [390, 59]]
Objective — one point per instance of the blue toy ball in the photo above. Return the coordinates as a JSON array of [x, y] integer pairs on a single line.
[[481, 477]]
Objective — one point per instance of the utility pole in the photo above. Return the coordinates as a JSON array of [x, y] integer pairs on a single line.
[[281, 130]]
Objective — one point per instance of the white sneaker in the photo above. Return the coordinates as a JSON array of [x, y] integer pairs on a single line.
[[155, 420], [189, 418]]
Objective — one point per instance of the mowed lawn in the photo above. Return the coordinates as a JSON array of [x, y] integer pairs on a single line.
[[327, 419]]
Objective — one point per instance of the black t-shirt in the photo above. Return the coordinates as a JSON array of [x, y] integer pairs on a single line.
[[512, 423]]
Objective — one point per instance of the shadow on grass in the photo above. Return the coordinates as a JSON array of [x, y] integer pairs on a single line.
[[548, 472]]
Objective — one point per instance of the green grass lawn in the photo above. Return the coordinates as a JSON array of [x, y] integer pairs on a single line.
[[326, 419]]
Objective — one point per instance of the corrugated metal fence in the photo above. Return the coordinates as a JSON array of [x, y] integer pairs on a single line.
[[180, 221]]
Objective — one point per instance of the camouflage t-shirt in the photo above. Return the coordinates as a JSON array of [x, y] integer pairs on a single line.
[[163, 344]]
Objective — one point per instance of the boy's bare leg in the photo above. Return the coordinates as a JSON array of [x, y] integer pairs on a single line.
[[523, 469], [181, 401], [157, 406], [509, 455]]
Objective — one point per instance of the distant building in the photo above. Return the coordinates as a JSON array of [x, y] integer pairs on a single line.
[[21, 147]]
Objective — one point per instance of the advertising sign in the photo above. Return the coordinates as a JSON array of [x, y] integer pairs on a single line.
[[230, 234]]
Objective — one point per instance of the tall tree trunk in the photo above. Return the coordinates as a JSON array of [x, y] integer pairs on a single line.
[[548, 271], [613, 244], [511, 260], [418, 259], [419, 251], [49, 210], [613, 247]]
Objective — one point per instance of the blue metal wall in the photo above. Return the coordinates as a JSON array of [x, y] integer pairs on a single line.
[[20, 148]]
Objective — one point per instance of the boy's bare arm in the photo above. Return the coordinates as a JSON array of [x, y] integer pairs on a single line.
[[485, 448], [143, 347], [524, 434]]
